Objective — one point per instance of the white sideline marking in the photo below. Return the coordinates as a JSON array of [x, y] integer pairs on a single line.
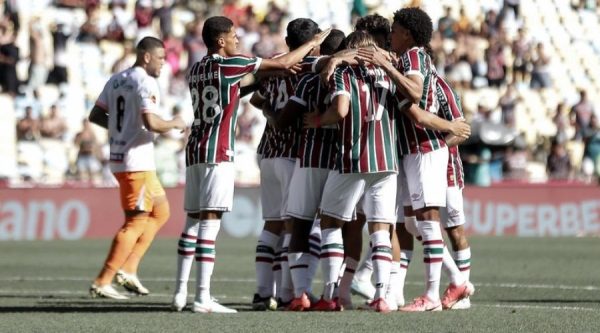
[[541, 307], [169, 279]]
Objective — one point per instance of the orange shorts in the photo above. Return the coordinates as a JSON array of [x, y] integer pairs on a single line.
[[139, 189]]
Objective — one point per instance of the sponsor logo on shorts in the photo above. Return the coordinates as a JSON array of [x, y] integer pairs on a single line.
[[415, 197], [453, 212]]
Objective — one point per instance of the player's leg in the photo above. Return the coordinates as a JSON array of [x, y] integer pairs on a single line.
[[127, 276], [361, 283], [136, 203], [427, 183], [352, 235]]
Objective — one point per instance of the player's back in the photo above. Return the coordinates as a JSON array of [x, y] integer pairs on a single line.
[[127, 95]]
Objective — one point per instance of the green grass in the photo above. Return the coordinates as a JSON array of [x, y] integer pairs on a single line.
[[523, 285]]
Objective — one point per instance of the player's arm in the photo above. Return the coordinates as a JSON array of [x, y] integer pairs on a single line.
[[290, 59], [154, 123], [431, 121], [339, 108], [99, 116], [245, 90], [410, 86], [453, 140]]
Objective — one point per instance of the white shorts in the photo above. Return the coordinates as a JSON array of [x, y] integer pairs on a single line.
[[402, 194], [426, 176], [307, 188], [209, 187], [342, 193], [455, 214], [275, 177]]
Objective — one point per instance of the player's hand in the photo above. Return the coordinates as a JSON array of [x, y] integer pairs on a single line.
[[320, 37], [374, 55], [294, 70], [327, 72], [312, 120], [179, 124], [461, 129]]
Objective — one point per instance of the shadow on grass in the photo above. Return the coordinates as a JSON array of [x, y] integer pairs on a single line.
[[101, 306]]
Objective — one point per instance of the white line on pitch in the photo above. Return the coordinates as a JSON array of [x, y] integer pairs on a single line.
[[541, 307]]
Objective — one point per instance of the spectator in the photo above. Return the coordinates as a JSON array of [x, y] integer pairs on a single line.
[[246, 123], [126, 60], [592, 144], [90, 32], [53, 126], [60, 36], [447, 24], [192, 42], [173, 51], [9, 55], [582, 113], [562, 123], [143, 18], [115, 31], [274, 17], [540, 75], [165, 17], [512, 5], [87, 164], [463, 25], [508, 103], [496, 68], [521, 50], [558, 164], [28, 128], [490, 25], [38, 72]]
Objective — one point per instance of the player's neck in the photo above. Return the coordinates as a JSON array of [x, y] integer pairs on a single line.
[[219, 51]]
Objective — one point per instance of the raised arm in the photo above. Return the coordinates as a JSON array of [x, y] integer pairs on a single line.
[[156, 124], [290, 59]]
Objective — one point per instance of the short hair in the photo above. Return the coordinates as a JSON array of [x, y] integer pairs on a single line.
[[213, 28], [359, 39], [417, 22], [333, 43], [300, 31], [374, 24], [148, 44]]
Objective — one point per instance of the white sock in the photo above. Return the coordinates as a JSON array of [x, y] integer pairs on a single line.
[[332, 258], [451, 270], [365, 270], [314, 243], [463, 261], [185, 253], [433, 252], [265, 255], [405, 258], [382, 261], [299, 270], [346, 281], [287, 288], [277, 270], [205, 258], [394, 284]]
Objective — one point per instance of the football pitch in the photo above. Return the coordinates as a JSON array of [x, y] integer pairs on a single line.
[[522, 285]]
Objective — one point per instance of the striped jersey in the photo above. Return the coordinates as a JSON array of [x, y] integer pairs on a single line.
[[413, 138], [451, 109], [366, 135], [214, 85], [317, 147], [277, 91], [125, 97]]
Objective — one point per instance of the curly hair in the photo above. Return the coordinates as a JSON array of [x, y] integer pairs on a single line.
[[417, 22], [374, 24]]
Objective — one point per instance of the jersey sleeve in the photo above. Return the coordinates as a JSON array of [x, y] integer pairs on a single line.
[[235, 68], [449, 102], [413, 62], [148, 96], [340, 83], [102, 101]]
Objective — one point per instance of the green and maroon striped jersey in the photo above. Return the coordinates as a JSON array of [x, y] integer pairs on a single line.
[[317, 147], [451, 110], [413, 138], [214, 85], [366, 136]]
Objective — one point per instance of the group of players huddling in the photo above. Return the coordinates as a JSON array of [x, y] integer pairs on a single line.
[[361, 129]]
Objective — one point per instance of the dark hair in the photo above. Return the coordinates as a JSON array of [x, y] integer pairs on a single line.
[[300, 31], [359, 39], [333, 42], [374, 24], [213, 28], [148, 44], [417, 22]]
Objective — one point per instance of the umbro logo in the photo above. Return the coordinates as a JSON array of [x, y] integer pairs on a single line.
[[415, 196]]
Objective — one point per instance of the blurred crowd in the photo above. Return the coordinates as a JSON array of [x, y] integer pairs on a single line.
[[56, 55]]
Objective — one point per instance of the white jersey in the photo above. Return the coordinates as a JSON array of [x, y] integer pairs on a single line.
[[126, 96]]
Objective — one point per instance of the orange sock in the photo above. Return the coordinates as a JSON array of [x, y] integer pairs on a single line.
[[158, 217], [121, 247]]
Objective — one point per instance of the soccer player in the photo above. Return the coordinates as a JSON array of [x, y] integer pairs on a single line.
[[425, 154], [214, 86], [128, 107], [315, 157], [365, 167]]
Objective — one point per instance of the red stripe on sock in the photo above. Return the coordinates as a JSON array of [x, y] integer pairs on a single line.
[[432, 260], [315, 238], [186, 253], [350, 270], [434, 241], [205, 259], [462, 269], [190, 237], [263, 259], [276, 267], [315, 254], [384, 258], [205, 241], [403, 266]]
